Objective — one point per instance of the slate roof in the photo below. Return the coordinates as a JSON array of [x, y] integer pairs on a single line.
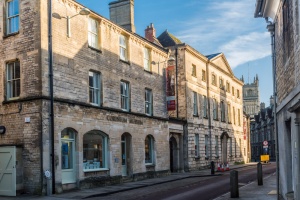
[[166, 39], [212, 55]]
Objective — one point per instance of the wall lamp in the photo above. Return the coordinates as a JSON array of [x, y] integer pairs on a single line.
[[83, 11], [171, 58], [2, 129]]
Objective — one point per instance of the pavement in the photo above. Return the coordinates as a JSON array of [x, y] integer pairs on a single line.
[[250, 191]]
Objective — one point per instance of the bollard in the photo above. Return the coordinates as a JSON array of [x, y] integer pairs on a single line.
[[212, 167], [259, 174], [234, 184]]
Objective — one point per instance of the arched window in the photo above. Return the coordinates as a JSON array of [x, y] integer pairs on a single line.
[[95, 151], [149, 149]]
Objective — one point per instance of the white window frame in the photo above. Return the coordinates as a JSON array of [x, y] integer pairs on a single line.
[[147, 65], [12, 20], [149, 144], [13, 83], [95, 88], [197, 152], [195, 104], [125, 91], [148, 102], [123, 47], [93, 33]]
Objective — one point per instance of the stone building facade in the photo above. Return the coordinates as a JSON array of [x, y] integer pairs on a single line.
[[262, 129], [283, 24], [110, 117], [251, 97], [208, 100]]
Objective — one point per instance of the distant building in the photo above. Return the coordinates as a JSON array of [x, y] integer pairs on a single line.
[[251, 97], [262, 129], [209, 103]]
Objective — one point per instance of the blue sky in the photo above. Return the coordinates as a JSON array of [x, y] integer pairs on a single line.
[[211, 26]]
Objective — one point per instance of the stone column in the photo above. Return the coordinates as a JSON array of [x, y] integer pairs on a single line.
[[296, 146]]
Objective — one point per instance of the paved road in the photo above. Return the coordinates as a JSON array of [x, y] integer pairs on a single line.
[[204, 188]]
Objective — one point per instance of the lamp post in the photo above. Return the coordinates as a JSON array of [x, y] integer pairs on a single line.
[[83, 11]]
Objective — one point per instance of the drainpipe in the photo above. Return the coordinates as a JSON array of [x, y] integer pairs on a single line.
[[51, 112], [208, 113], [176, 68], [271, 29]]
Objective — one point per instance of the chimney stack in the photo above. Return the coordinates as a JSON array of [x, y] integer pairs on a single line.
[[150, 33], [122, 13]]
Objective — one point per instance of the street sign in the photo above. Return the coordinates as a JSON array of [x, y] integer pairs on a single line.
[[265, 143]]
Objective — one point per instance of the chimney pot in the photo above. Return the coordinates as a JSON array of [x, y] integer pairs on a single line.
[[150, 33]]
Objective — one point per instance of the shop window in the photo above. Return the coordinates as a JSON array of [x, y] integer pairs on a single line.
[[95, 151]]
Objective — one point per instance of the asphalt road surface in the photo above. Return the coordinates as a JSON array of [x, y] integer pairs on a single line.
[[199, 188]]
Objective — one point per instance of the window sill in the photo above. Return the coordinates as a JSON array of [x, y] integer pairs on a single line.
[[147, 71], [95, 49], [150, 165], [197, 157], [96, 105], [195, 115], [95, 170], [12, 99], [125, 61], [10, 35], [205, 117]]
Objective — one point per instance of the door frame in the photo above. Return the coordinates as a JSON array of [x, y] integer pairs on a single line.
[[126, 170], [71, 172]]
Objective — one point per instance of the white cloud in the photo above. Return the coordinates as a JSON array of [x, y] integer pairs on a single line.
[[229, 27], [246, 48]]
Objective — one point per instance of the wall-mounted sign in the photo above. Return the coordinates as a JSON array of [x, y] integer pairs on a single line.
[[170, 88]]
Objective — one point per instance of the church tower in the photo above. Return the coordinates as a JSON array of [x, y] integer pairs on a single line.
[[251, 97]]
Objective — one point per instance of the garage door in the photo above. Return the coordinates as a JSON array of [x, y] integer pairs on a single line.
[[7, 171]]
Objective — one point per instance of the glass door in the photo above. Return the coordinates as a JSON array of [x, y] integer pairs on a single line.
[[68, 156]]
